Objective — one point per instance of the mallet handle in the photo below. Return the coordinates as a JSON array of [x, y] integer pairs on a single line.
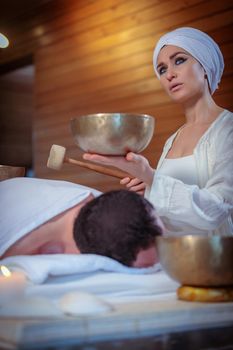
[[100, 169]]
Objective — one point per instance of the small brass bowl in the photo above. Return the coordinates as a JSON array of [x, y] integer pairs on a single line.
[[197, 261], [7, 171], [112, 133]]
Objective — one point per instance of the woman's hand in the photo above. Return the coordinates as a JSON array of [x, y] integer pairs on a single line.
[[134, 164], [135, 185]]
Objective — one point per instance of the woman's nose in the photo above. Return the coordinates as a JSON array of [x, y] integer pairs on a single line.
[[170, 73]]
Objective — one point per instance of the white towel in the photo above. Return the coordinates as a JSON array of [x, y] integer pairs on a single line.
[[39, 268], [21, 214], [115, 286], [54, 275]]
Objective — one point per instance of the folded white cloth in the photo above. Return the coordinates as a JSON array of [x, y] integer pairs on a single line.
[[38, 268], [117, 287], [54, 275]]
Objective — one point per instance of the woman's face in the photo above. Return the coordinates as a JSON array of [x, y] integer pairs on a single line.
[[181, 75]]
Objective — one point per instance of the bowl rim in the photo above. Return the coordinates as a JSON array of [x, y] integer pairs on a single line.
[[111, 114], [193, 237]]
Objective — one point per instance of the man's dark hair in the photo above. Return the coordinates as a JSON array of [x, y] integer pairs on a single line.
[[117, 224]]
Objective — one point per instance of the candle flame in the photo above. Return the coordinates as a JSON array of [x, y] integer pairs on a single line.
[[5, 271]]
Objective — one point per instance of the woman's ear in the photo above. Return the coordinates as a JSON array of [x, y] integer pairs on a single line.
[[206, 78]]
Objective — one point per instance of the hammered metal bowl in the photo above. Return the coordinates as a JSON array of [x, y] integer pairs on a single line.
[[197, 261], [112, 133]]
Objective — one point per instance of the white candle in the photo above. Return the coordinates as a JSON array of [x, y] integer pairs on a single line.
[[12, 285]]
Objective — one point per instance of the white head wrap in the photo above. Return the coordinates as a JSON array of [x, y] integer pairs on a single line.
[[201, 46]]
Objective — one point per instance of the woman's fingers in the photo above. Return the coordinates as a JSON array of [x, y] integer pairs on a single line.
[[97, 158], [134, 182], [128, 182], [114, 160], [125, 181], [137, 188], [135, 185], [133, 157], [140, 188], [119, 162]]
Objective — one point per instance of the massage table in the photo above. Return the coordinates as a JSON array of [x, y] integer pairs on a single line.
[[142, 309]]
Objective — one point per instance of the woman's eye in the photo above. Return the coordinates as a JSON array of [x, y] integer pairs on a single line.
[[180, 60], [162, 70]]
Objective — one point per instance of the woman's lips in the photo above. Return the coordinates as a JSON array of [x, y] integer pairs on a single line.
[[175, 87]]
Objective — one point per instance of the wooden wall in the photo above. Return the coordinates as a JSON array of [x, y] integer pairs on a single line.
[[16, 111], [96, 56]]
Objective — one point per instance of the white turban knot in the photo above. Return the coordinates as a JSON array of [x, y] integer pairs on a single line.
[[201, 46]]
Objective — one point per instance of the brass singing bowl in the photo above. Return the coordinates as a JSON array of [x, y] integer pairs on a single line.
[[197, 261], [112, 133]]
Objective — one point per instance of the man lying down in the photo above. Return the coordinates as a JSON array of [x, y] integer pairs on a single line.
[[40, 216]]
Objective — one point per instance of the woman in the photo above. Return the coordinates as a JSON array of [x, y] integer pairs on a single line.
[[192, 187]]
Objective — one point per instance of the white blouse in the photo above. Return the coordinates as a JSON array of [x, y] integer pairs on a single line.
[[183, 169]]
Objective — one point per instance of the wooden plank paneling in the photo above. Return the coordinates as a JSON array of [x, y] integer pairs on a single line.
[[96, 56], [16, 110]]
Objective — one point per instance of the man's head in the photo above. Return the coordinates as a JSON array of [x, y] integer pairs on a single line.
[[121, 225]]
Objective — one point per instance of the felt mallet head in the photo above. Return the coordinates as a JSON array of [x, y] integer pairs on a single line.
[[56, 157]]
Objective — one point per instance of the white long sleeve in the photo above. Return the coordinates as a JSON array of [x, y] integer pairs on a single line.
[[187, 204]]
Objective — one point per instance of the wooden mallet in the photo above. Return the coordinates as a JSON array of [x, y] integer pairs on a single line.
[[57, 158]]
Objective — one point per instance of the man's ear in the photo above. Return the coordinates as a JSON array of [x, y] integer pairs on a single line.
[[53, 247], [146, 257]]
